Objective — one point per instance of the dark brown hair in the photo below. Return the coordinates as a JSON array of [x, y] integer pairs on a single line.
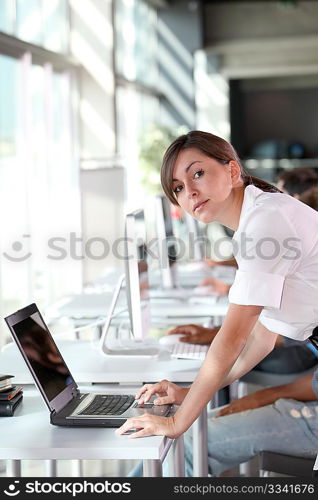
[[211, 145], [310, 197], [298, 180]]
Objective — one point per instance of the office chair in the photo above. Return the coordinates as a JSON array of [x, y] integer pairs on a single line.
[[285, 464]]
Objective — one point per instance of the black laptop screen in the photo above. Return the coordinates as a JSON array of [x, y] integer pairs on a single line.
[[43, 355]]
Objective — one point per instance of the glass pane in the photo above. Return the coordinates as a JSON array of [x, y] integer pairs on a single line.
[[136, 41], [30, 21], [14, 235], [56, 25], [7, 16], [39, 187], [144, 111]]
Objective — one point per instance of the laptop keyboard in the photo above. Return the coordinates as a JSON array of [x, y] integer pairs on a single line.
[[108, 405], [189, 351]]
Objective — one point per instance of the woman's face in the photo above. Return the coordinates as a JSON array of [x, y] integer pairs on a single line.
[[202, 185]]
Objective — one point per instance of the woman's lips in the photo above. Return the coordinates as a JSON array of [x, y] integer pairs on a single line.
[[199, 206]]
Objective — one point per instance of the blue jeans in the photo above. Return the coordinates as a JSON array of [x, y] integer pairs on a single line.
[[287, 426]]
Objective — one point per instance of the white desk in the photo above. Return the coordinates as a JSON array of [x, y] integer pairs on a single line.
[[29, 435], [88, 365]]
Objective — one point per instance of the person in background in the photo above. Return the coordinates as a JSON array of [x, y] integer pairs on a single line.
[[310, 197], [297, 181]]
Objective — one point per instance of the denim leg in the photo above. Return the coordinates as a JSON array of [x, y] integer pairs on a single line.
[[287, 426]]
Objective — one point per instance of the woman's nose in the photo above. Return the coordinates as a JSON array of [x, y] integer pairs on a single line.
[[192, 192]]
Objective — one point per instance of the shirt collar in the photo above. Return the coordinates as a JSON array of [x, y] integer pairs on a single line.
[[251, 192]]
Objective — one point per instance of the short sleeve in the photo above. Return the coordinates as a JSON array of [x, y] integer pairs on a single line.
[[267, 250], [257, 289]]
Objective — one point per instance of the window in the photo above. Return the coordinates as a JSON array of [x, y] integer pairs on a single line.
[[136, 41], [41, 22], [39, 185]]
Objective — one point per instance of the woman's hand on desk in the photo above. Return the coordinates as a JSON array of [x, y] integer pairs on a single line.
[[149, 425], [168, 393], [195, 334]]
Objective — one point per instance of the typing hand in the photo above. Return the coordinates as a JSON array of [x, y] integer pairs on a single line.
[[149, 425], [216, 285], [195, 334], [168, 392]]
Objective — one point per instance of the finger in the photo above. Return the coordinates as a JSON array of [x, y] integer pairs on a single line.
[[125, 427], [155, 389], [131, 423], [163, 401], [141, 433], [143, 389], [178, 329], [185, 337]]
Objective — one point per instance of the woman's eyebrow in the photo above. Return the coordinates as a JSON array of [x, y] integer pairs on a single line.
[[188, 167]]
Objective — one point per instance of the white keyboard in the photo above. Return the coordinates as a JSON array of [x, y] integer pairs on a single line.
[[189, 351]]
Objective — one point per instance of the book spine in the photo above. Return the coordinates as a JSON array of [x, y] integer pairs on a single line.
[[6, 410]]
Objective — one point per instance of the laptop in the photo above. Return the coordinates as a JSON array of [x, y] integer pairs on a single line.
[[67, 405]]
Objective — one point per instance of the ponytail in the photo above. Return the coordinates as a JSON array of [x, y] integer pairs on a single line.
[[259, 183]]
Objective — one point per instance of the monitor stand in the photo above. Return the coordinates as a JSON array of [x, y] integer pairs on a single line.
[[125, 347]]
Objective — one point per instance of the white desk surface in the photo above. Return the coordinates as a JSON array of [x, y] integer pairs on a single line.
[[29, 435], [95, 305], [88, 365]]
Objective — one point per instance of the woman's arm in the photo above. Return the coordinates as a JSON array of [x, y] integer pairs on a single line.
[[227, 346], [259, 344], [231, 342]]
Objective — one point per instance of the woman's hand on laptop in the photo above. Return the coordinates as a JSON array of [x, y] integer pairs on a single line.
[[149, 425], [168, 393]]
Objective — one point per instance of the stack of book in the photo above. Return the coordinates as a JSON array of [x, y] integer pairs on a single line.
[[10, 396]]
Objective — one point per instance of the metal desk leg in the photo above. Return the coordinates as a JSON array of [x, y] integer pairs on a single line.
[[51, 468], [176, 458], [200, 446], [77, 468], [13, 468], [152, 468]]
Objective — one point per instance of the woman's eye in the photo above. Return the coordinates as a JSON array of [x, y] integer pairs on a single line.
[[198, 174], [177, 190]]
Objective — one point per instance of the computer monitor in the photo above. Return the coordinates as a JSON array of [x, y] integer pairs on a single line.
[[136, 274], [196, 239], [167, 253]]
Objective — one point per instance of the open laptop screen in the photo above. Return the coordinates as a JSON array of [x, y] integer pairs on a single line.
[[43, 356]]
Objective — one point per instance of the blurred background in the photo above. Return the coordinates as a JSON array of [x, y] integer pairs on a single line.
[[93, 91]]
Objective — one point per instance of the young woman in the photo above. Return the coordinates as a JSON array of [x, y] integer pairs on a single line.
[[275, 290]]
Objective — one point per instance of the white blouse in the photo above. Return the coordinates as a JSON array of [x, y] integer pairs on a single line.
[[276, 249]]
